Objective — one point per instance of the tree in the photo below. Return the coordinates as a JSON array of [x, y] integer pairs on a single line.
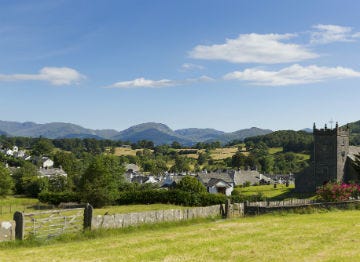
[[202, 158], [43, 147], [6, 182], [191, 184], [176, 145], [99, 185], [238, 160], [181, 164], [27, 180]]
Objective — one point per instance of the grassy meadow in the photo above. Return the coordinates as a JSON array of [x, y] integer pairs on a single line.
[[123, 151], [134, 208], [281, 192], [327, 236]]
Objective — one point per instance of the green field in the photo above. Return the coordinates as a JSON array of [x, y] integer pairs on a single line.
[[9, 205], [134, 208], [281, 192], [329, 236]]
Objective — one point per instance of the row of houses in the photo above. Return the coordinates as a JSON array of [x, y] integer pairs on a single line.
[[46, 169], [15, 152], [215, 182]]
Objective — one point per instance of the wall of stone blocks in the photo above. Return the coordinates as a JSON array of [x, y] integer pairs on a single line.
[[133, 219], [7, 230]]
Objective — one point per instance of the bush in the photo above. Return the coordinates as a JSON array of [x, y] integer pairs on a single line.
[[177, 197], [55, 198], [334, 192]]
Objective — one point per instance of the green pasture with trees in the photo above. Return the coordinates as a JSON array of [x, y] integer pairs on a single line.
[[96, 173]]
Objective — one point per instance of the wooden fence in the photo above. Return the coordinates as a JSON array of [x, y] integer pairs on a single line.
[[284, 203], [10, 209]]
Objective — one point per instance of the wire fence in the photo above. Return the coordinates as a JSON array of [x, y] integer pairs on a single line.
[[11, 208]]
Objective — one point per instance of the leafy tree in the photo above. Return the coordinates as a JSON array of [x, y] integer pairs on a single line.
[[6, 182], [181, 164], [191, 184], [267, 164], [58, 183], [68, 162], [100, 182], [43, 147], [176, 145], [238, 160], [28, 182], [202, 158]]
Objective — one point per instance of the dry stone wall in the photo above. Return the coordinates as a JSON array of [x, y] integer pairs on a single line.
[[132, 219], [7, 230]]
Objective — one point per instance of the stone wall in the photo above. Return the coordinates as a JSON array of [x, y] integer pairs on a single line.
[[7, 230], [132, 219], [262, 209]]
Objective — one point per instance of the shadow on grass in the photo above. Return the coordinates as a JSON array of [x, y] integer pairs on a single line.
[[291, 193]]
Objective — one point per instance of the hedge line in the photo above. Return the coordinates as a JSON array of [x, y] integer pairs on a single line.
[[55, 198], [177, 197]]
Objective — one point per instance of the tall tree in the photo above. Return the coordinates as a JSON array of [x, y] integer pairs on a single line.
[[6, 182], [100, 182]]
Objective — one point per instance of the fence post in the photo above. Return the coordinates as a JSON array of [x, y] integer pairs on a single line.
[[88, 211], [19, 225], [228, 208]]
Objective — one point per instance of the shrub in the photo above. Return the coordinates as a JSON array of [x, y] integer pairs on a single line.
[[333, 192], [55, 198], [177, 197]]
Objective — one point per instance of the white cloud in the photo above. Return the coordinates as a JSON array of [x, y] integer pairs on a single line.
[[148, 83], [255, 48], [190, 67], [55, 75], [332, 33], [292, 75], [142, 82]]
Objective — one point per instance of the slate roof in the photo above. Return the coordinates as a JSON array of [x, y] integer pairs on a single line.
[[353, 150], [214, 181], [242, 176], [205, 178], [52, 172]]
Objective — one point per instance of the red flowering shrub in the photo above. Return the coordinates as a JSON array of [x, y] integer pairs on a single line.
[[334, 192]]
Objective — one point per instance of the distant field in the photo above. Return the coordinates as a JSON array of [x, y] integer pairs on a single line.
[[222, 153], [122, 151], [330, 236], [274, 150], [195, 155]]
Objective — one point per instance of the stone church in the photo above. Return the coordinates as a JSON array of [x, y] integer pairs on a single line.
[[331, 160]]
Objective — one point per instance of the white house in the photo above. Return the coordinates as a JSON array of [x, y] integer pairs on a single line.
[[215, 186], [47, 162], [9, 152], [15, 149]]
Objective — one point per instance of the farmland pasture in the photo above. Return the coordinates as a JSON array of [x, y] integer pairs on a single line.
[[329, 236]]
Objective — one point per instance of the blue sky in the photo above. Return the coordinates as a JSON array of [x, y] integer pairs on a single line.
[[227, 65]]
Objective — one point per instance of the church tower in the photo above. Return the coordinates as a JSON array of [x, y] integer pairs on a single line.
[[331, 147]]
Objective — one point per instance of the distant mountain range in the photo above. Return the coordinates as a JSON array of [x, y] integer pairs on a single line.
[[156, 132]]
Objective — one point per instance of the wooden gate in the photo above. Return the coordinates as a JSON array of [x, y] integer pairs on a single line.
[[47, 224]]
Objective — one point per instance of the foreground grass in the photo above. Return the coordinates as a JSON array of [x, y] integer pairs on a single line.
[[331, 236]]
